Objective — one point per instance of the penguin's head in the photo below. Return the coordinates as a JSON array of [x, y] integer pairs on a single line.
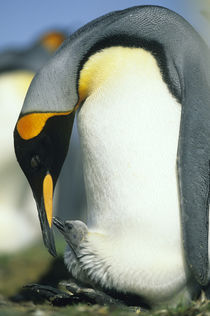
[[52, 40], [41, 142], [74, 232]]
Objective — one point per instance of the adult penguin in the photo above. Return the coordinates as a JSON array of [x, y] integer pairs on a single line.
[[19, 226], [140, 79]]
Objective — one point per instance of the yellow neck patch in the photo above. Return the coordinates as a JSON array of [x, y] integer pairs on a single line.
[[31, 125], [111, 62]]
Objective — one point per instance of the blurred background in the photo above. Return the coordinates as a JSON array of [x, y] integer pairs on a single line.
[[30, 33], [23, 21]]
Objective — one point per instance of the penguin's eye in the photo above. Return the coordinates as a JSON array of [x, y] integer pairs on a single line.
[[35, 162], [69, 226]]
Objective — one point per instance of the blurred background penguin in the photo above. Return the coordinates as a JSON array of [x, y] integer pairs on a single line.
[[19, 225], [206, 9]]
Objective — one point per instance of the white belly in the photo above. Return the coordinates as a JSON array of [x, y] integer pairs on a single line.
[[129, 129]]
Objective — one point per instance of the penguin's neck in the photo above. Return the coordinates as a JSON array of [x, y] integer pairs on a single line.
[[129, 127]]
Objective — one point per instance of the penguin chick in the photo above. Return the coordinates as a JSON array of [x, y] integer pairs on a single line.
[[75, 233]]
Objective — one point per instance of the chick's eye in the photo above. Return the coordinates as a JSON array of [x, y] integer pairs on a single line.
[[35, 162], [69, 226]]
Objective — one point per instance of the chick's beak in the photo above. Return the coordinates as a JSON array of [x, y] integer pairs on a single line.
[[59, 224], [45, 210]]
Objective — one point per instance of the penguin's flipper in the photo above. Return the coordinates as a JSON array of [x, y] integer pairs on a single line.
[[193, 173]]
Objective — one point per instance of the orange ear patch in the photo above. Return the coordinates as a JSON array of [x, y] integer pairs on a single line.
[[48, 197], [51, 41], [31, 125]]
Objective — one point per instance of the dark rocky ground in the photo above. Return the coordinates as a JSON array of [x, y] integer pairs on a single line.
[[31, 284]]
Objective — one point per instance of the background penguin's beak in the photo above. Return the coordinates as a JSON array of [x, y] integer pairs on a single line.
[[45, 207]]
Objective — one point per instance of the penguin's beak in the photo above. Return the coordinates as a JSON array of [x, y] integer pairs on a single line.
[[65, 230], [59, 224], [45, 210], [61, 227]]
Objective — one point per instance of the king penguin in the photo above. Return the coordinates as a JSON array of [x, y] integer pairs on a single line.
[[19, 226], [139, 82]]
